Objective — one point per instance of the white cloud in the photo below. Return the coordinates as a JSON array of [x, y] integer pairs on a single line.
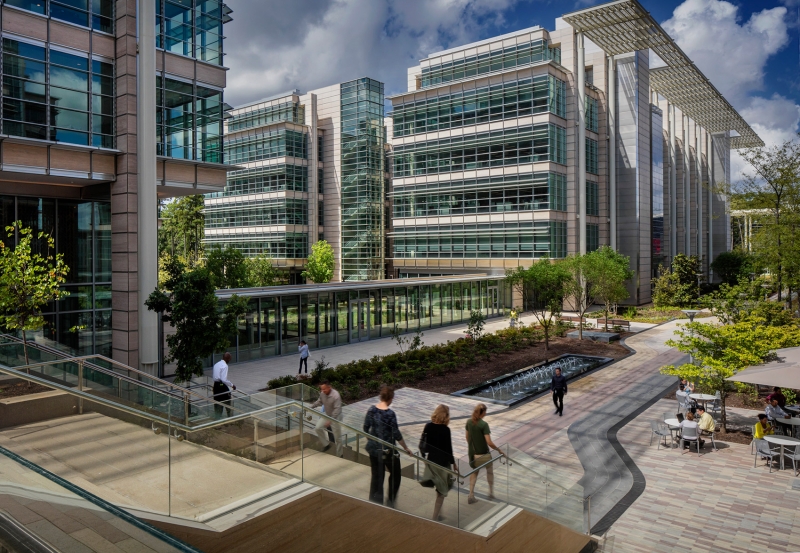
[[307, 44], [733, 54]]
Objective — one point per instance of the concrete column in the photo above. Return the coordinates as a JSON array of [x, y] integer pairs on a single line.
[[313, 175], [699, 189], [711, 183], [612, 152], [147, 262], [581, 145], [673, 183], [687, 192]]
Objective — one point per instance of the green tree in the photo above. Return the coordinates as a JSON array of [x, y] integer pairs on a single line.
[[733, 265], [321, 263], [519, 280], [721, 351], [261, 272], [731, 304], [29, 281], [475, 325], [678, 285], [611, 271], [201, 327], [182, 228], [228, 267], [580, 287], [548, 284]]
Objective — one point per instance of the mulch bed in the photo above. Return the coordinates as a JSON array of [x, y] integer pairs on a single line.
[[21, 389], [504, 363]]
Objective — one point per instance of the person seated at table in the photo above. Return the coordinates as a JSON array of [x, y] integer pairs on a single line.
[[775, 414], [762, 427], [687, 386], [689, 422], [705, 421], [777, 394]]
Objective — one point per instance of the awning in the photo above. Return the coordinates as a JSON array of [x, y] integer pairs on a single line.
[[625, 26], [784, 372]]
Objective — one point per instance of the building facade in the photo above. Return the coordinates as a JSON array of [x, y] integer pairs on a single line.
[[540, 144], [72, 77], [311, 167]]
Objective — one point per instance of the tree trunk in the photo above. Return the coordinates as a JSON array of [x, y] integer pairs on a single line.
[[723, 415], [25, 349], [546, 337]]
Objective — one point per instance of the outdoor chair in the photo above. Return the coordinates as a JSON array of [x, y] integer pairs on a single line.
[[717, 405], [661, 430], [791, 452], [711, 434], [681, 397], [763, 450], [690, 435], [753, 441]]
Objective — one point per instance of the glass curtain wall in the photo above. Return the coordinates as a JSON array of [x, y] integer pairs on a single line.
[[97, 14], [273, 325], [80, 322], [362, 173], [188, 120], [191, 28], [657, 176]]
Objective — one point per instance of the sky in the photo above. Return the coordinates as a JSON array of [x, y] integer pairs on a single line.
[[750, 49]]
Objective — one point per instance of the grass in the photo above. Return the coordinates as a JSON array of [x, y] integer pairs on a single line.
[[657, 315]]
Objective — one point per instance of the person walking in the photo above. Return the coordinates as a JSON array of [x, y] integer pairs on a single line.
[[558, 386], [437, 446], [381, 422], [303, 349], [332, 403], [222, 386], [479, 444]]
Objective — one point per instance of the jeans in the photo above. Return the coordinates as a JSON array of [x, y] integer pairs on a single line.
[[558, 399], [303, 361], [379, 465]]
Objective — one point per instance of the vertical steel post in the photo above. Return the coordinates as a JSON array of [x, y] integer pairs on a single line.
[[612, 151], [80, 387], [581, 167]]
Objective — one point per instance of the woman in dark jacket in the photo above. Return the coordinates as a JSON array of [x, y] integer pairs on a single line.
[[381, 422], [439, 451]]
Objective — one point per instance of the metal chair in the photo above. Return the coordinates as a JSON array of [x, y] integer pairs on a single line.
[[689, 434], [711, 433], [681, 397], [792, 452], [717, 405], [753, 441], [763, 450], [661, 430]]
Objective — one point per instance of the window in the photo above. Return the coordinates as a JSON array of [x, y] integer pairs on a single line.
[[78, 90], [191, 28], [189, 120], [544, 142], [460, 109], [527, 53], [591, 156], [97, 14], [278, 245], [591, 114], [592, 237], [287, 111], [251, 213], [592, 199]]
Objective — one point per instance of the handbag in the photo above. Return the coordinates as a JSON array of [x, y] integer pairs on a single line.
[[423, 442]]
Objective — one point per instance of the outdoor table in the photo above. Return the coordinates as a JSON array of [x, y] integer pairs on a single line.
[[781, 441], [794, 422], [703, 397], [674, 425]]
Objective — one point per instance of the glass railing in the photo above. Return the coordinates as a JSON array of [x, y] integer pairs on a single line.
[[146, 449], [39, 508]]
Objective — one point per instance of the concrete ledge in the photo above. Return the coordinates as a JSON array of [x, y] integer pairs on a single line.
[[595, 336], [41, 406]]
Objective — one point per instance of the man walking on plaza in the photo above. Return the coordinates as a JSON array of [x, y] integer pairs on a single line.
[[222, 386], [332, 401], [558, 386]]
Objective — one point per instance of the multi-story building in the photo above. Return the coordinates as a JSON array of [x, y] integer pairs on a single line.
[[546, 143], [80, 164], [312, 168]]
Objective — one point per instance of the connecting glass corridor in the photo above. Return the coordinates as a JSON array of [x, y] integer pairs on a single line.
[[326, 315]]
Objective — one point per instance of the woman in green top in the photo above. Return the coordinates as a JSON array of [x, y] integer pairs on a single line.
[[480, 443]]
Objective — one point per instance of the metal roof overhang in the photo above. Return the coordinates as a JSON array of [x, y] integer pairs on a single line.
[[625, 26]]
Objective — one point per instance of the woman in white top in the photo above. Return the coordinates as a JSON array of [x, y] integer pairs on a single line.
[[689, 422]]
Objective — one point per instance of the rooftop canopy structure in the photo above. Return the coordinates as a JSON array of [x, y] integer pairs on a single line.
[[625, 26]]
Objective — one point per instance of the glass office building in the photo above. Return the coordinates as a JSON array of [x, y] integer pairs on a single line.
[[326, 315]]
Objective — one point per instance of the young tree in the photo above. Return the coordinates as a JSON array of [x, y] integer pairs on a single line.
[[28, 281], [581, 287], [548, 283], [773, 185], [611, 270], [721, 351], [261, 271], [475, 325], [733, 265], [321, 263], [228, 267], [678, 285], [193, 309], [518, 279]]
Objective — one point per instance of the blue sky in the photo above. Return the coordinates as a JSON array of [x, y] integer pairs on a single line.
[[748, 49]]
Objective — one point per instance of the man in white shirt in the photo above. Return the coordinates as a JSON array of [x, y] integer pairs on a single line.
[[222, 386], [332, 402], [775, 414]]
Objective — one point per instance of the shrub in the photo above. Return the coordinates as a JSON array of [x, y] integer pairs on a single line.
[[281, 382]]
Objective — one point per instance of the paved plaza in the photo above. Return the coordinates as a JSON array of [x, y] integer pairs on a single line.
[[644, 498]]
